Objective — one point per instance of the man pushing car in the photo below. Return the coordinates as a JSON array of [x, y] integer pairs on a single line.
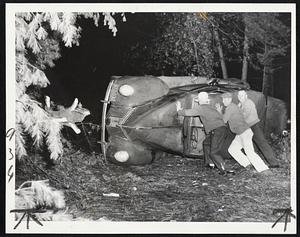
[[214, 127], [250, 114], [243, 138]]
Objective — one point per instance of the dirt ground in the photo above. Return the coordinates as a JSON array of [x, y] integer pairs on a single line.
[[171, 189]]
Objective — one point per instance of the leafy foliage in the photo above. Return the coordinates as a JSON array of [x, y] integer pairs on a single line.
[[231, 29], [184, 43], [260, 28], [182, 46], [266, 29], [37, 41]]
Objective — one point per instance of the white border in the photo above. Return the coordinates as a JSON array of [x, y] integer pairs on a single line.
[[155, 7], [143, 227]]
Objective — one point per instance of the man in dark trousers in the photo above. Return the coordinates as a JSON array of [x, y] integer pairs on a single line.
[[250, 114], [214, 126]]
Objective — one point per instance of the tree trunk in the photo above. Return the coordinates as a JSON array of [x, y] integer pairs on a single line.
[[221, 55], [245, 56], [265, 81], [196, 57], [267, 75], [271, 82]]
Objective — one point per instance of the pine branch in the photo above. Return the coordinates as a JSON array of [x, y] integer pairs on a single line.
[[20, 142], [53, 139], [39, 195], [34, 44]]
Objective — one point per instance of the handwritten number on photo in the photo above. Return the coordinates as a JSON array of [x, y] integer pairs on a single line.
[[10, 133], [10, 152], [10, 173]]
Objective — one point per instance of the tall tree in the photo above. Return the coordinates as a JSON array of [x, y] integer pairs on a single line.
[[228, 37], [245, 50], [37, 46], [215, 29], [270, 40], [221, 54]]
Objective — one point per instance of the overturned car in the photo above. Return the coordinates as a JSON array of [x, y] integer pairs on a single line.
[[140, 121]]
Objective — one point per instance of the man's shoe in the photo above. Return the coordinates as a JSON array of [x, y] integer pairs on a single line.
[[225, 172], [211, 166], [232, 172], [241, 170], [274, 166], [222, 172], [266, 173]]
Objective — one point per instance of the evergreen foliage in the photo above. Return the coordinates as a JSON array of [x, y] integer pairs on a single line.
[[40, 195], [37, 39]]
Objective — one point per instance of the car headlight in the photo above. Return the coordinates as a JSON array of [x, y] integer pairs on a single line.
[[126, 90], [121, 156]]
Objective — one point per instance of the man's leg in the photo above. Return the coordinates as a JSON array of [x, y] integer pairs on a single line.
[[206, 149], [228, 140], [256, 161], [217, 140], [262, 144], [235, 150]]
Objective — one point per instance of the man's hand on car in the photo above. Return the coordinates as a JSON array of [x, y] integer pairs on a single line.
[[178, 106], [219, 107]]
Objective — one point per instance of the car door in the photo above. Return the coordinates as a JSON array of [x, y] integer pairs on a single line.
[[193, 136]]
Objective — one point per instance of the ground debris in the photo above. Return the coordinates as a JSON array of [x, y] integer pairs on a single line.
[[170, 189], [111, 195]]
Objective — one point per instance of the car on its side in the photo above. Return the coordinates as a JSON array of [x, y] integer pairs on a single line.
[[140, 121]]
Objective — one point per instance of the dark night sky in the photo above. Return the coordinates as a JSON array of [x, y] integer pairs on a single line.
[[84, 71]]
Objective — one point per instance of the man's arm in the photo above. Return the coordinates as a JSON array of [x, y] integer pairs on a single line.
[[189, 112], [247, 109]]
